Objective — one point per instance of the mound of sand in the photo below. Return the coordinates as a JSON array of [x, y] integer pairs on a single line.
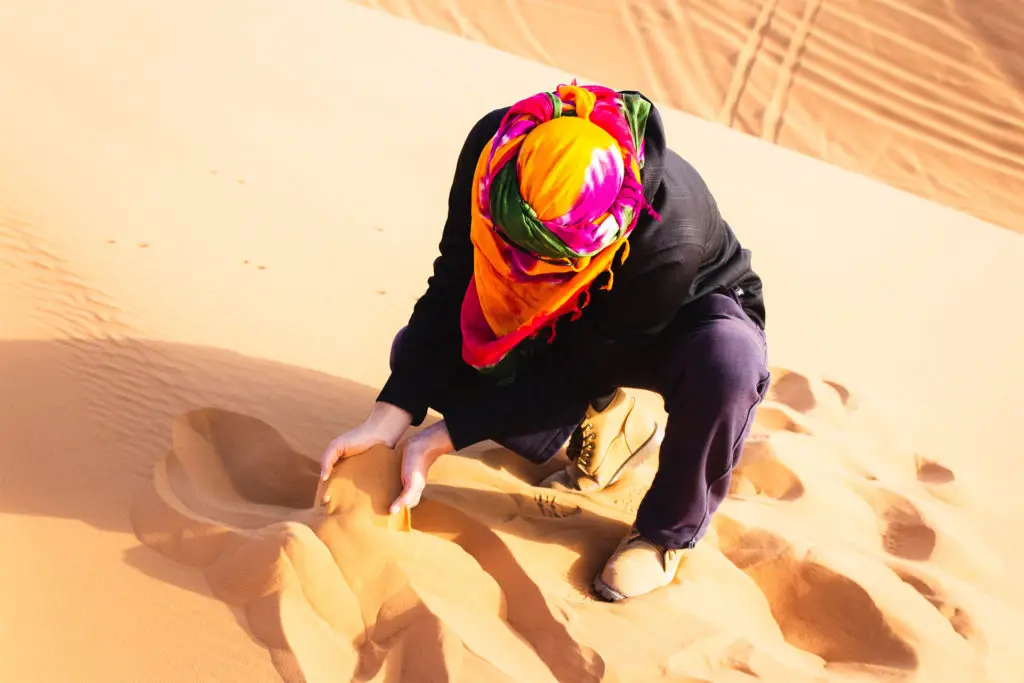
[[202, 232]]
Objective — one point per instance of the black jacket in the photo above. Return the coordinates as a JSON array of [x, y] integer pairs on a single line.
[[688, 254]]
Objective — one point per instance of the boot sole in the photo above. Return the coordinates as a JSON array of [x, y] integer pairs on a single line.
[[607, 592]]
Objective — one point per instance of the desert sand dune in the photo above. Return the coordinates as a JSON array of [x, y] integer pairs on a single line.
[[212, 220], [925, 95]]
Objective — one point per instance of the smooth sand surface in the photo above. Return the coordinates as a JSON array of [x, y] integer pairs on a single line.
[[926, 95], [213, 218]]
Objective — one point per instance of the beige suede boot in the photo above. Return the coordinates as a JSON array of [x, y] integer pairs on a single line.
[[606, 444], [638, 566]]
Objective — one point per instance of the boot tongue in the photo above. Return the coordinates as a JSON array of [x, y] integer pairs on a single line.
[[575, 446], [636, 537], [601, 404]]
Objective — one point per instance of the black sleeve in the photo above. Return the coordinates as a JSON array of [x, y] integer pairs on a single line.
[[432, 344], [556, 390]]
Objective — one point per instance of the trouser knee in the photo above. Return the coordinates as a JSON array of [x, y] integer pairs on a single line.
[[732, 377]]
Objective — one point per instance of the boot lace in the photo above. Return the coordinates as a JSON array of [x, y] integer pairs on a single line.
[[581, 444]]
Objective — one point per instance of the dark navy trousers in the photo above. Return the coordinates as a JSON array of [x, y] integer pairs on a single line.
[[710, 366]]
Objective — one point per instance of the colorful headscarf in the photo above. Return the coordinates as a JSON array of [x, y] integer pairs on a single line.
[[557, 191]]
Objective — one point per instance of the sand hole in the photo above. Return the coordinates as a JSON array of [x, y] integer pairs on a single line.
[[760, 471], [905, 533], [253, 456], [818, 609], [828, 614], [844, 393], [930, 590], [931, 472], [746, 547], [793, 390], [770, 418]]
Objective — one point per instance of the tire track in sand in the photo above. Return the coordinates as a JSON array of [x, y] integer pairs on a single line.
[[730, 32], [899, 117], [658, 89], [745, 63], [529, 36], [981, 131], [465, 27], [940, 58], [775, 112], [967, 111], [689, 49]]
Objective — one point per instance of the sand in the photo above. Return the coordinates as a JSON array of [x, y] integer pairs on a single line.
[[926, 95], [204, 261]]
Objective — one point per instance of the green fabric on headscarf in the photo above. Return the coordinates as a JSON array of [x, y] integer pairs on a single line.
[[636, 110], [519, 221]]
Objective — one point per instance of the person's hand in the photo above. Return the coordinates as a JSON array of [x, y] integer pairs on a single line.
[[384, 426], [420, 453]]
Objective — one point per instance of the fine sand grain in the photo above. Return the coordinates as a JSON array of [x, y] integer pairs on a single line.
[[213, 218]]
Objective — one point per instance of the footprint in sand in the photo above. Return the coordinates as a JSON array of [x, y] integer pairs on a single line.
[[818, 609], [792, 389], [932, 591], [940, 482], [844, 394], [931, 472], [801, 395], [904, 532], [624, 496], [367, 598], [760, 472], [550, 506], [776, 417]]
